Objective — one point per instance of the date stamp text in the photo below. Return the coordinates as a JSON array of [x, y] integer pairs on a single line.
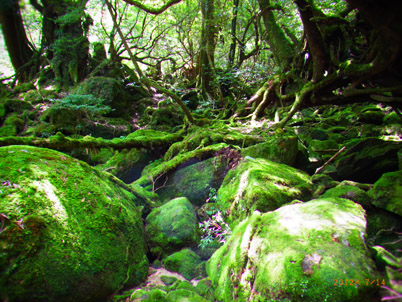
[[352, 282]]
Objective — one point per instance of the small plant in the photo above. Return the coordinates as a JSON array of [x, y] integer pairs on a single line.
[[212, 197], [85, 104], [214, 228]]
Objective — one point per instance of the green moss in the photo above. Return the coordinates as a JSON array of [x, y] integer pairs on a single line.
[[2, 111], [172, 226], [16, 121], [184, 263], [280, 148], [218, 133], [153, 295], [9, 130], [387, 192], [181, 284], [323, 145], [263, 185], [168, 280], [23, 87], [18, 106], [184, 295], [295, 253], [82, 237], [109, 90], [350, 192], [153, 171], [33, 97], [204, 288], [195, 180]]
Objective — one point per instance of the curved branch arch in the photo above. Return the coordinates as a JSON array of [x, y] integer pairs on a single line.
[[151, 10]]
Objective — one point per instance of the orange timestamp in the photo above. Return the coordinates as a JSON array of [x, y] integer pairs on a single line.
[[351, 282]]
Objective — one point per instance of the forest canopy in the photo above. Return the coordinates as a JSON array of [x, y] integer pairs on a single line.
[[242, 55], [252, 146]]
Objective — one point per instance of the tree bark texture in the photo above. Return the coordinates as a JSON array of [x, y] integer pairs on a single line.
[[19, 48], [64, 38], [208, 44], [281, 47], [315, 40]]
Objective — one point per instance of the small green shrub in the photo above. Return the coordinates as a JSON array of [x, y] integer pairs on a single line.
[[85, 103], [71, 110]]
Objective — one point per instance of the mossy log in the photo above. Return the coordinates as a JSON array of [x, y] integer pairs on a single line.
[[152, 174], [64, 143]]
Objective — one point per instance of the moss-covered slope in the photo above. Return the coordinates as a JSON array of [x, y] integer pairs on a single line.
[[68, 233]]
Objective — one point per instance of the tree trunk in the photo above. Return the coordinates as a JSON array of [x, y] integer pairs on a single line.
[[64, 38], [281, 47], [19, 48], [232, 50], [314, 39], [208, 44]]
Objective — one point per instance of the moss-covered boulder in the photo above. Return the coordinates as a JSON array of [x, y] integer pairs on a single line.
[[172, 226], [195, 180], [384, 229], [263, 185], [371, 115], [204, 288], [74, 113], [152, 295], [127, 164], [33, 96], [387, 192], [367, 159], [184, 295], [183, 262], [323, 145], [15, 121], [349, 190], [8, 130], [278, 148], [15, 105], [299, 253], [69, 233]]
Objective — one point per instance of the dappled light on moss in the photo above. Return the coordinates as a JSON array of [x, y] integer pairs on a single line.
[[74, 223]]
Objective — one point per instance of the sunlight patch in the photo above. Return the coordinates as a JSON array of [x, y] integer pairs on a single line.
[[49, 189]]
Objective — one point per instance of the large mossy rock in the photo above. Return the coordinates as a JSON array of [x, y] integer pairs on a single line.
[[263, 185], [387, 192], [296, 253], [279, 148], [367, 160], [195, 180], [69, 233], [172, 226]]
